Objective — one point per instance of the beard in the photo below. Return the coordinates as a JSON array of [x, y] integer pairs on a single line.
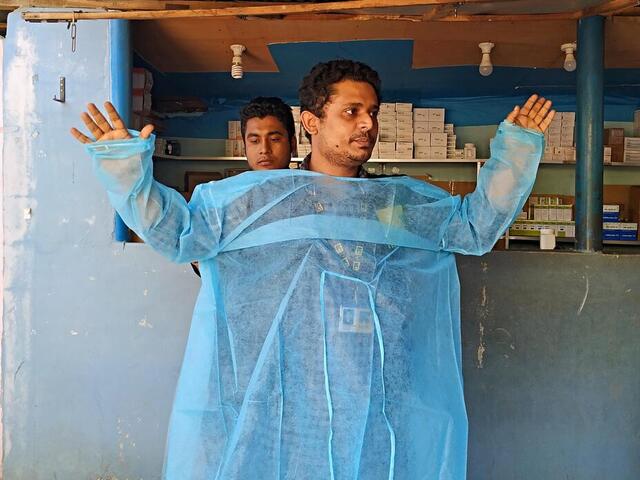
[[348, 155]]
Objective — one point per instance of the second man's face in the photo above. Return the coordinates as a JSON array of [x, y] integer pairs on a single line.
[[267, 144]]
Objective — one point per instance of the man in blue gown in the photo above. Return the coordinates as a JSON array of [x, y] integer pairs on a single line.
[[325, 342]]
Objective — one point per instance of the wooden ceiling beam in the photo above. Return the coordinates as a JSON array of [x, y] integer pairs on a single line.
[[610, 7], [251, 11], [124, 4]]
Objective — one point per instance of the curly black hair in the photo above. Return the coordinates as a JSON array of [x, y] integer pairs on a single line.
[[317, 86], [261, 107]]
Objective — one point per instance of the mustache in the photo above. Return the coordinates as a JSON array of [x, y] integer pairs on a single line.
[[364, 136]]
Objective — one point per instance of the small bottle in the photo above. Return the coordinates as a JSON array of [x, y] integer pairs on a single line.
[[547, 239]]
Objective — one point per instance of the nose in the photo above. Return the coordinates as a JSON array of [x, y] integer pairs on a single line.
[[265, 146], [366, 122]]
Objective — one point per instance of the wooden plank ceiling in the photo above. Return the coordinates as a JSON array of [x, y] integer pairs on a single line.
[[527, 32]]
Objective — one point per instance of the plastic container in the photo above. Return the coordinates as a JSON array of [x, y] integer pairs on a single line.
[[547, 239]]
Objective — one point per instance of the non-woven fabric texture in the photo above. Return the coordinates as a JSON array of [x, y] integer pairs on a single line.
[[325, 342]]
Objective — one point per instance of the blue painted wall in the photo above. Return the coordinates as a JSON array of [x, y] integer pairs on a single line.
[[94, 330], [469, 98]]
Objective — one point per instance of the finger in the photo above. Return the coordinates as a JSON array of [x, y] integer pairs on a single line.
[[528, 104], [81, 137], [146, 131], [91, 125], [542, 113], [99, 118], [514, 113], [536, 108], [547, 120], [116, 121]]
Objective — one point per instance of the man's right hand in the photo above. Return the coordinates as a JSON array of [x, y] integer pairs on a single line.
[[102, 130]]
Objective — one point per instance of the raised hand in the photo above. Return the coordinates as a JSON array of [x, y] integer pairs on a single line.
[[534, 115], [102, 130]]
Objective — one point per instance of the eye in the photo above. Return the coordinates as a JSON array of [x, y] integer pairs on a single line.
[[275, 139], [254, 140], [350, 111]]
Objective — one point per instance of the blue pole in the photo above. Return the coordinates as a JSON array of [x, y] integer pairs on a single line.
[[589, 133], [121, 64]]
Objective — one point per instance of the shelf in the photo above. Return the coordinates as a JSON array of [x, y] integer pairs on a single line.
[[572, 240], [299, 159], [572, 164]]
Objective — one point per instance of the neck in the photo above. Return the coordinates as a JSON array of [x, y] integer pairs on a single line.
[[321, 164]]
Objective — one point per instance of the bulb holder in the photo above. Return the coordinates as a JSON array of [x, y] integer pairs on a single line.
[[236, 63], [570, 63], [486, 67]]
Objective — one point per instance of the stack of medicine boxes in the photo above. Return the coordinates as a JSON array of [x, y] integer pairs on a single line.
[[613, 228]]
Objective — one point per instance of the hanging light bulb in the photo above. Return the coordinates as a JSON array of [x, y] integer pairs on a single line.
[[486, 68], [570, 60], [236, 62]]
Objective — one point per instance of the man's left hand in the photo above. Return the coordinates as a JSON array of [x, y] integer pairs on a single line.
[[534, 115]]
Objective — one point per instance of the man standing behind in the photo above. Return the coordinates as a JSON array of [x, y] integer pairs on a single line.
[[326, 339], [268, 132]]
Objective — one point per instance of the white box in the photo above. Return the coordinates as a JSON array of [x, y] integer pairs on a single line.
[[422, 139], [228, 148], [404, 107], [438, 152], [388, 136], [436, 115], [404, 150], [387, 108], [233, 130], [420, 114], [404, 120], [405, 137], [568, 118], [435, 127], [421, 127], [422, 152], [438, 139], [238, 148], [387, 149]]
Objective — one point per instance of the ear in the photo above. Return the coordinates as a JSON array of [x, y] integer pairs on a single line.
[[309, 122], [294, 146]]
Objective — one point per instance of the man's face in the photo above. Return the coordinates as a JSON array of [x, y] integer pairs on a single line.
[[347, 132], [267, 144]]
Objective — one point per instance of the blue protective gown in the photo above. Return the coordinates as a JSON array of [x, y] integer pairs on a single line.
[[325, 341]]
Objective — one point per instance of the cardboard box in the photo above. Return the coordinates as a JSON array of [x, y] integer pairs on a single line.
[[404, 120], [439, 153], [617, 153], [436, 115], [141, 79], [568, 118], [238, 148], [386, 108], [387, 150], [613, 136], [422, 139], [420, 114], [421, 127], [229, 148], [404, 107], [435, 127], [448, 128], [404, 150], [422, 152], [438, 139]]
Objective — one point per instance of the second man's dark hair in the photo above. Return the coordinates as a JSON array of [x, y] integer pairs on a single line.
[[261, 107]]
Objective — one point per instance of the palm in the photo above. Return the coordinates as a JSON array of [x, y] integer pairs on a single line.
[[102, 130], [535, 114]]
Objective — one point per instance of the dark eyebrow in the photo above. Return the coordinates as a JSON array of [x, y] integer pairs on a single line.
[[274, 132]]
